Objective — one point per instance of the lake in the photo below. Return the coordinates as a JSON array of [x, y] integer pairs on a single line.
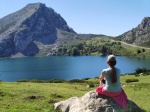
[[64, 67]]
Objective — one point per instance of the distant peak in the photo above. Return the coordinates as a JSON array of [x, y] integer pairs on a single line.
[[146, 17], [35, 5], [145, 22]]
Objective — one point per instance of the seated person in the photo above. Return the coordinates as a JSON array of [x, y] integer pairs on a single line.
[[111, 86]]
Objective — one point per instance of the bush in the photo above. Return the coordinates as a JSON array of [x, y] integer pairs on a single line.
[[56, 81], [137, 75], [131, 80], [90, 85], [42, 81], [23, 80], [37, 81], [141, 70], [76, 81], [138, 51], [85, 78]]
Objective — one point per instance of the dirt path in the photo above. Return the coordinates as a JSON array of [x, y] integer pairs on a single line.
[[133, 45]]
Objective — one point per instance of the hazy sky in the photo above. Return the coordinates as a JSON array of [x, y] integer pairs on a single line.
[[108, 17]]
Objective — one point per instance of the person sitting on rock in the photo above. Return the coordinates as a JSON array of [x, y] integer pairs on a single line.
[[112, 86]]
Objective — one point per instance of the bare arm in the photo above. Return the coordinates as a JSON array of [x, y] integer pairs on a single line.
[[101, 78]]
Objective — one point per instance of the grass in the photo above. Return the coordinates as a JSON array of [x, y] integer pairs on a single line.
[[138, 91], [40, 97], [36, 97]]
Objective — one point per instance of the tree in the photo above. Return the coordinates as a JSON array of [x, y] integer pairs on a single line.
[[143, 50], [75, 51], [64, 50], [69, 52], [60, 51], [80, 46], [119, 43], [138, 51], [104, 50]]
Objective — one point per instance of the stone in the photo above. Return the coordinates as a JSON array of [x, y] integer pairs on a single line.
[[139, 35], [92, 102]]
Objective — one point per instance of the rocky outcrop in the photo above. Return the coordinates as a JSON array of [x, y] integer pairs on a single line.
[[35, 23], [92, 102], [138, 36]]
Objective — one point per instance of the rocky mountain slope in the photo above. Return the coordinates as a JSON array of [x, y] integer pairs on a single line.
[[138, 36], [31, 29]]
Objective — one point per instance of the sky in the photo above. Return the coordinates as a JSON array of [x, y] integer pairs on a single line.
[[107, 17]]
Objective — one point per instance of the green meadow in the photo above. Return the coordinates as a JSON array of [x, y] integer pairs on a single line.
[[40, 96]]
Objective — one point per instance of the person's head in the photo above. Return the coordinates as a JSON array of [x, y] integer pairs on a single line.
[[111, 61]]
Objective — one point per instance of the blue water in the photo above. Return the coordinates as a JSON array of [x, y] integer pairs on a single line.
[[64, 67]]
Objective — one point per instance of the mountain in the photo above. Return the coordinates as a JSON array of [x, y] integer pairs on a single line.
[[138, 36], [32, 29]]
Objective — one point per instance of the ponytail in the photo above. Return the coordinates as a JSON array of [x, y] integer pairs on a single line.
[[113, 76]]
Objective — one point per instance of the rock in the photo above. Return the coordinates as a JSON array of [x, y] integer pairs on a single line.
[[139, 35], [92, 102]]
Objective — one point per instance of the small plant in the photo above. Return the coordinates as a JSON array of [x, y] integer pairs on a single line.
[[76, 81], [85, 78], [56, 81], [37, 81], [23, 80], [141, 70], [90, 85], [131, 80]]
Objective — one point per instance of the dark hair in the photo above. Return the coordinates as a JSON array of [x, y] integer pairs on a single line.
[[113, 76]]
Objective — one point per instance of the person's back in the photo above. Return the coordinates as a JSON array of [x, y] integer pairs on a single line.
[[109, 86]]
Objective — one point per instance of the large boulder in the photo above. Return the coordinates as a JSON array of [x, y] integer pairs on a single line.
[[92, 102]]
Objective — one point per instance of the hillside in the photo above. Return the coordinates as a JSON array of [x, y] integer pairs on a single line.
[[138, 36], [101, 45]]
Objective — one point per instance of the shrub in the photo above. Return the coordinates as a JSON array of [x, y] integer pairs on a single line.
[[96, 77], [85, 78], [56, 81], [131, 80], [137, 75], [138, 51], [76, 81], [37, 81], [141, 70], [143, 50], [23, 80], [43, 81], [90, 85]]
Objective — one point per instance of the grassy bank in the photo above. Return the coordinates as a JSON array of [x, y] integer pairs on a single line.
[[40, 97]]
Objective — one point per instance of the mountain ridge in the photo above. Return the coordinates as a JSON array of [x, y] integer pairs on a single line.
[[139, 35]]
